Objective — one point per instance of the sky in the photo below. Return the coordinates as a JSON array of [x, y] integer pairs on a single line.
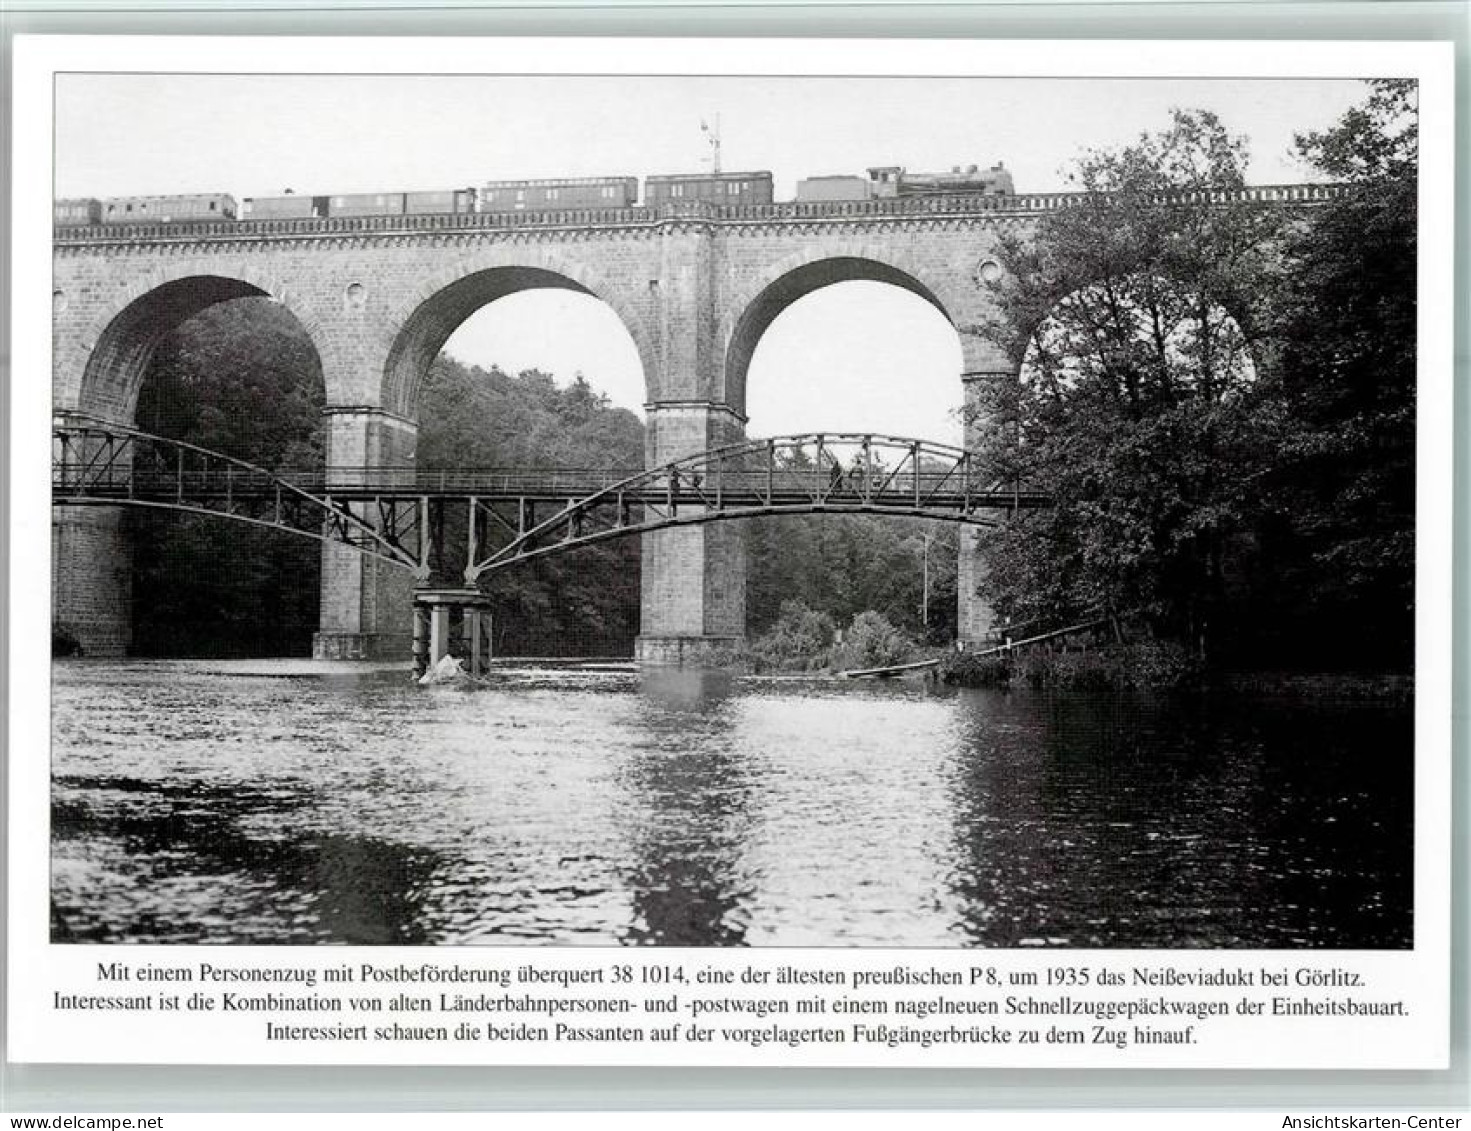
[[255, 135]]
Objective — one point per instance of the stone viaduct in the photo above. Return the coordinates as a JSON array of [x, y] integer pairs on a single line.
[[696, 285]]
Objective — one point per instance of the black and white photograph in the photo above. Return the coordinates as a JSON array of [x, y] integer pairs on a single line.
[[719, 510]]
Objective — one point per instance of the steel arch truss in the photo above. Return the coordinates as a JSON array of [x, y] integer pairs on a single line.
[[812, 473], [99, 463]]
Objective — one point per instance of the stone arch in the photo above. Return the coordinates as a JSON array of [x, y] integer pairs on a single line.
[[436, 308], [781, 284], [120, 341]]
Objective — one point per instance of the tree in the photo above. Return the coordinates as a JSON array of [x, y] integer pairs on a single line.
[[1131, 318], [585, 602], [842, 565], [240, 378], [1342, 544]]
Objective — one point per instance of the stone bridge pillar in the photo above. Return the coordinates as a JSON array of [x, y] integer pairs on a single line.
[[693, 580], [91, 555], [366, 603], [977, 623]]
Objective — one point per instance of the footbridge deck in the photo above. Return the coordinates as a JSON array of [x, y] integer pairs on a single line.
[[512, 514]]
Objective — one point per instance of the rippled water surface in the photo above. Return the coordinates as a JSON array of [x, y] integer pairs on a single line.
[[254, 803]]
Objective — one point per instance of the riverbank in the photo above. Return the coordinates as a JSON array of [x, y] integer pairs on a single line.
[[1162, 668], [954, 669]]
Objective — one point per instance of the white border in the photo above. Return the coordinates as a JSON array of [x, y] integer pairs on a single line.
[[1422, 974]]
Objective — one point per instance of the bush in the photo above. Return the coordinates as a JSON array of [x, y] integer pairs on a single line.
[[965, 669], [1153, 664], [800, 640], [872, 642], [728, 660]]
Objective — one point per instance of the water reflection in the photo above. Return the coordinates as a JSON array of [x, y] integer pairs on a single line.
[[1131, 821], [686, 794], [195, 804], [177, 842]]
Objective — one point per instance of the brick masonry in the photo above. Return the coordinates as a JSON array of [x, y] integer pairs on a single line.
[[91, 582], [695, 288]]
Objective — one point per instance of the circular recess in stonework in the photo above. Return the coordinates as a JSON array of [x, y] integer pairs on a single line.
[[58, 301], [355, 297], [988, 271]]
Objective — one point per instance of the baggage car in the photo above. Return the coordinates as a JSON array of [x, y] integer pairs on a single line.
[[718, 188], [167, 209], [439, 202], [549, 195], [366, 204], [292, 206]]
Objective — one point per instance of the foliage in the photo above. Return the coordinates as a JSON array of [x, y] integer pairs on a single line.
[[967, 669], [870, 641], [240, 378], [799, 640], [1341, 539], [1219, 395], [473, 417], [844, 564], [1142, 665], [1137, 407], [581, 603], [805, 639], [1376, 143]]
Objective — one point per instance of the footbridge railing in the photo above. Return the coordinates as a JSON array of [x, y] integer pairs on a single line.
[[406, 515], [99, 463], [811, 473]]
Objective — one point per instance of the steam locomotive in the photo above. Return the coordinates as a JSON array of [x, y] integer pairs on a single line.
[[546, 195], [895, 180]]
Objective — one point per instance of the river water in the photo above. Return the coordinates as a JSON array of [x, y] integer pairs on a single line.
[[266, 803]]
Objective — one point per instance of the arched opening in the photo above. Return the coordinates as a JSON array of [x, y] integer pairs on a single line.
[[867, 287], [528, 368], [213, 362], [119, 361], [561, 332], [849, 344]]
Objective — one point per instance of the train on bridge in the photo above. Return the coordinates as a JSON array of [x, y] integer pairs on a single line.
[[542, 195]]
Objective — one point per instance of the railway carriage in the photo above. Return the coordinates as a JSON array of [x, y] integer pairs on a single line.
[[289, 207], [77, 210], [717, 188], [550, 195], [439, 202], [366, 204], [167, 209]]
